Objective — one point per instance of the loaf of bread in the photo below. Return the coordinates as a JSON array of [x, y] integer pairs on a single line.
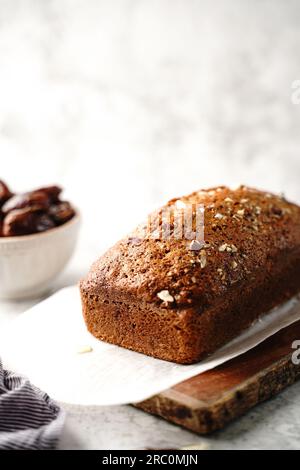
[[180, 300]]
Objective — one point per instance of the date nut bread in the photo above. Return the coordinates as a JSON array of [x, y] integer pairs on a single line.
[[164, 298]]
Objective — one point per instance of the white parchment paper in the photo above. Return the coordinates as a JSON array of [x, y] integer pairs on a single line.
[[44, 344]]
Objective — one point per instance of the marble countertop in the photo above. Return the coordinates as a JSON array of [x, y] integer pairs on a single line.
[[131, 102], [271, 425]]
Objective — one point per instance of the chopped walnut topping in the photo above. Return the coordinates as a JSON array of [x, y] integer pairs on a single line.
[[223, 247], [219, 216], [257, 210], [244, 201], [229, 248], [194, 279], [234, 264], [165, 296], [221, 274], [195, 245], [202, 259], [287, 210], [241, 212], [228, 199]]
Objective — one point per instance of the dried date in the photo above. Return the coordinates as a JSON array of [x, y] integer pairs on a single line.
[[43, 223], [21, 222], [32, 212], [21, 201], [5, 193], [61, 212], [52, 192]]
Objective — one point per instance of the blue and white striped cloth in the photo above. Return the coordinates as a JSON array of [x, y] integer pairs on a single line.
[[29, 419]]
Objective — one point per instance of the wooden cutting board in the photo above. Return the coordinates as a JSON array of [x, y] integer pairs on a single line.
[[209, 401]]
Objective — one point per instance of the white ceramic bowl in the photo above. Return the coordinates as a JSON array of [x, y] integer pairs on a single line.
[[29, 264]]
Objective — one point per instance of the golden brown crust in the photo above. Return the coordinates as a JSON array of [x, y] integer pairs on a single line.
[[183, 303]]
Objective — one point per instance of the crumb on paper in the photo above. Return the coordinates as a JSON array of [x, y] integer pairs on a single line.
[[84, 349]]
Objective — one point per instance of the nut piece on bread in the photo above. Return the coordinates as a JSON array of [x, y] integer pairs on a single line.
[[166, 299]]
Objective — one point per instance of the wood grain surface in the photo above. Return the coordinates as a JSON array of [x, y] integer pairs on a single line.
[[209, 401]]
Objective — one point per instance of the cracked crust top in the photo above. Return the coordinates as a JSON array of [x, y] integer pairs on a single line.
[[243, 230]]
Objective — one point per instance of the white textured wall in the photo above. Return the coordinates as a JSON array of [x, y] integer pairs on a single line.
[[129, 102]]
